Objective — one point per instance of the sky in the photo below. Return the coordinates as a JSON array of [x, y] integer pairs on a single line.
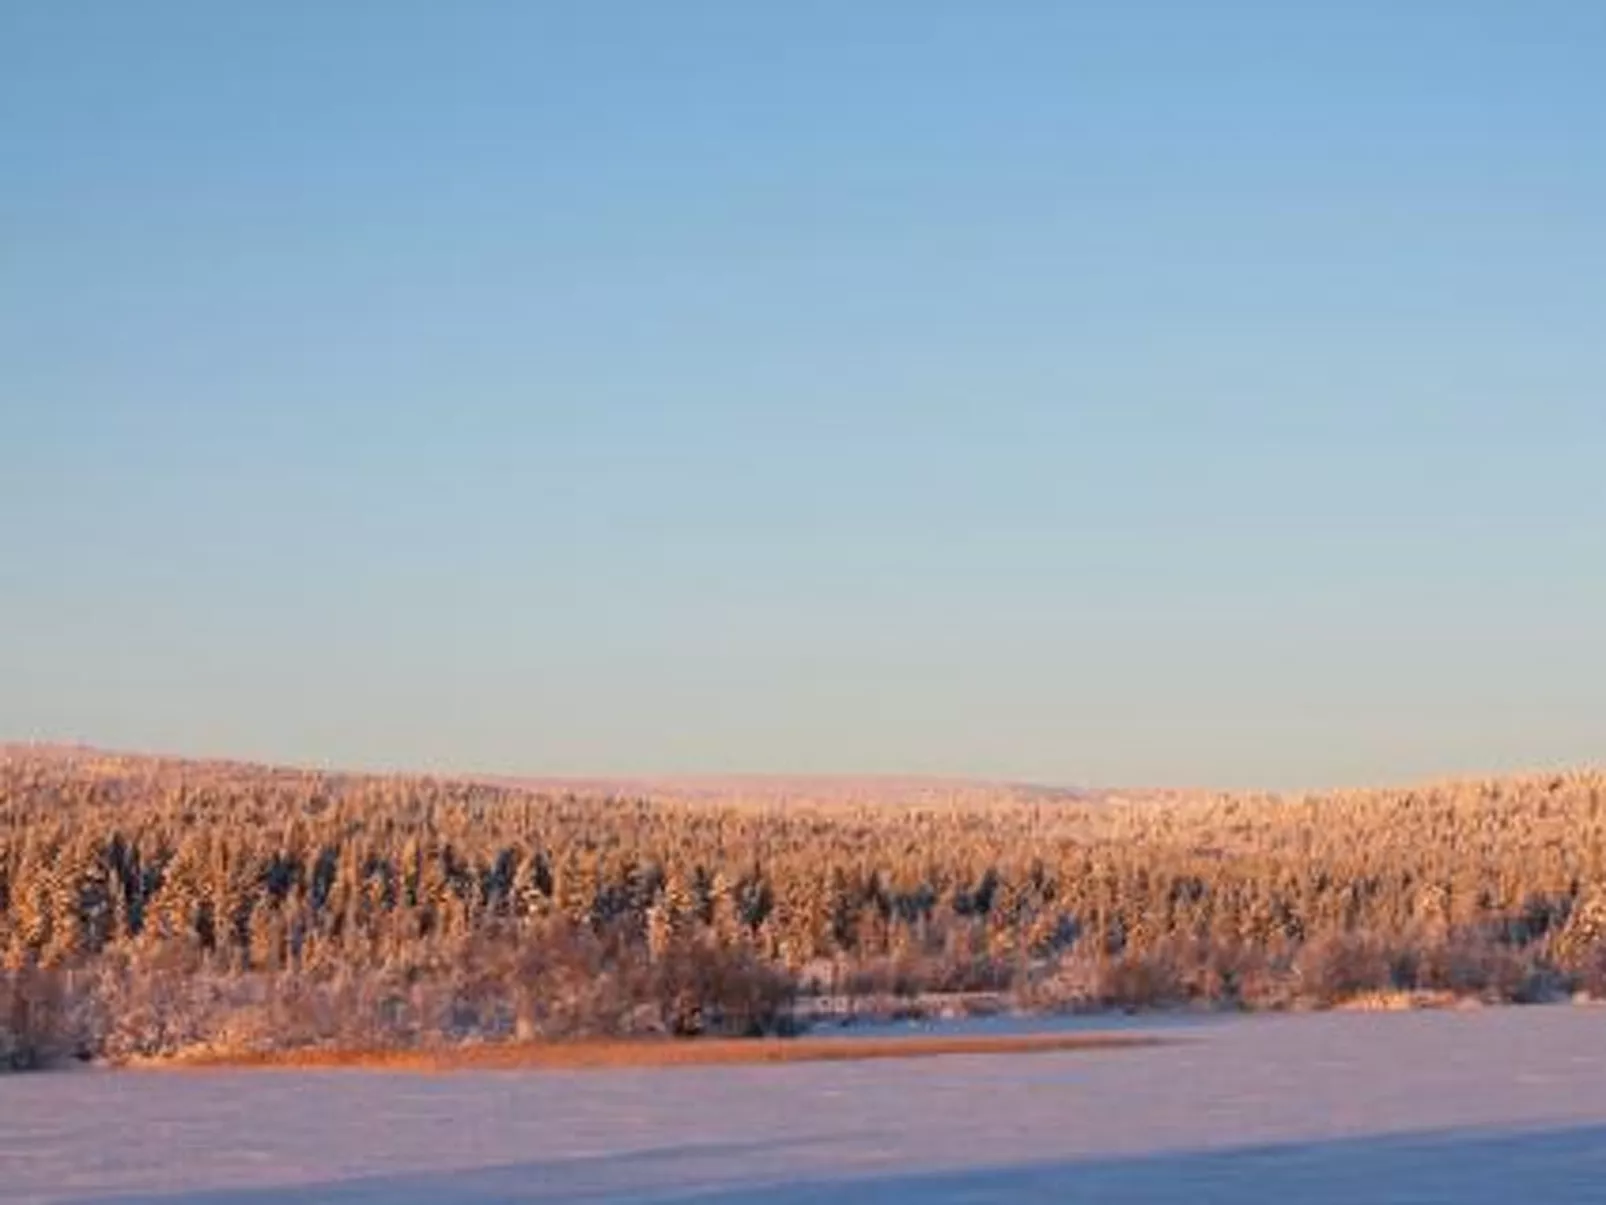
[[1143, 393]]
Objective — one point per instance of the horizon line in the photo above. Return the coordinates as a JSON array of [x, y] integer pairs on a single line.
[[686, 779]]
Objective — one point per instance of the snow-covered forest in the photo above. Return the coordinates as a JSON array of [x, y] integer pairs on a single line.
[[149, 907]]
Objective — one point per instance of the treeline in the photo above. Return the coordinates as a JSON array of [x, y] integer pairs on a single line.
[[149, 907]]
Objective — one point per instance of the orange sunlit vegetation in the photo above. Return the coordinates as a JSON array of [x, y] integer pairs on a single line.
[[154, 907]]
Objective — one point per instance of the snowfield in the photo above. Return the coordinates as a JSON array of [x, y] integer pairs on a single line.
[[1499, 1105]]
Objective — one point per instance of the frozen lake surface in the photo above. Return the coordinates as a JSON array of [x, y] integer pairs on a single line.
[[1502, 1105]]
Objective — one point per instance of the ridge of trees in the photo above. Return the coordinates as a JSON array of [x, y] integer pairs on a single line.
[[152, 906]]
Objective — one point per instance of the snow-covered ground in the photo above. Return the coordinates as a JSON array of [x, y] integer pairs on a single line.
[[1505, 1105]]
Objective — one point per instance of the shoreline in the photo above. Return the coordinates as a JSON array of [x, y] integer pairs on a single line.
[[645, 1052]]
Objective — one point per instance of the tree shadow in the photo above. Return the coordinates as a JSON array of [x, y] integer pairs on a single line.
[[1459, 1167]]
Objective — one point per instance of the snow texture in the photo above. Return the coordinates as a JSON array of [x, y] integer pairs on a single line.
[[1502, 1105]]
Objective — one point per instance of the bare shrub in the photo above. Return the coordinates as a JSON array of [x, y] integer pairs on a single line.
[[37, 1022], [1589, 970], [1334, 967], [704, 988], [1470, 963]]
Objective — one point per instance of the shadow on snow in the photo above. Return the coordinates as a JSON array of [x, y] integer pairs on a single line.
[[1450, 1167]]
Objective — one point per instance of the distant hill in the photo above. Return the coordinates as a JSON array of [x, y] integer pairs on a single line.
[[780, 789], [764, 790]]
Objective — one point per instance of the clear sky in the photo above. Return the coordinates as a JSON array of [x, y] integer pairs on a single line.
[[1092, 393]]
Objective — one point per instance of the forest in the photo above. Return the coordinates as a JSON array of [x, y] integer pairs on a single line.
[[153, 908]]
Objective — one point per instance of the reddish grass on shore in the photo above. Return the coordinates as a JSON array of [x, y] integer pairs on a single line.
[[653, 1052]]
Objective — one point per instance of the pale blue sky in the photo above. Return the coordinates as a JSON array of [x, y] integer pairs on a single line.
[[1121, 393]]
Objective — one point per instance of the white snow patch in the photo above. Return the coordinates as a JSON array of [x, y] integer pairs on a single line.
[[1494, 1105]]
